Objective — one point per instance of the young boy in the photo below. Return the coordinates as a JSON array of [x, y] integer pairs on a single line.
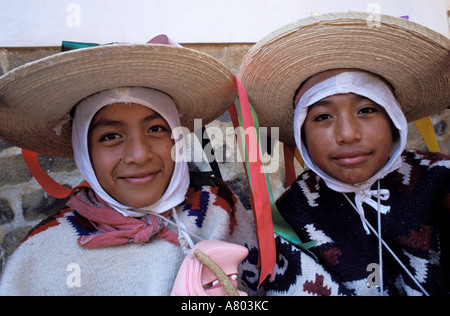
[[344, 93], [127, 229]]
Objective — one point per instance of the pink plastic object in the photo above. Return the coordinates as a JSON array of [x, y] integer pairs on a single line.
[[195, 279]]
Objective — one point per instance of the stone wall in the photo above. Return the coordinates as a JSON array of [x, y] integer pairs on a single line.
[[23, 203]]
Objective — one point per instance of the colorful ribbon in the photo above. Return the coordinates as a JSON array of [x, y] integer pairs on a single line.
[[426, 129], [267, 217], [45, 181]]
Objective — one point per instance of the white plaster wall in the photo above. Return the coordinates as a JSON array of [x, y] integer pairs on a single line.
[[48, 22]]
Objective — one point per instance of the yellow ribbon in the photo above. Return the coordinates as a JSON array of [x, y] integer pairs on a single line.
[[425, 127]]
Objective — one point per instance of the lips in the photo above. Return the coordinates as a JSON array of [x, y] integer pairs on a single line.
[[350, 158], [139, 178]]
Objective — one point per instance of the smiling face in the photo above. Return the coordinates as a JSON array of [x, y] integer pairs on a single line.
[[348, 137], [130, 149]]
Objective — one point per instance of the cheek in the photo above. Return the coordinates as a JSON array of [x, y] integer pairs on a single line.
[[381, 132], [316, 140], [103, 163], [163, 149], [168, 156]]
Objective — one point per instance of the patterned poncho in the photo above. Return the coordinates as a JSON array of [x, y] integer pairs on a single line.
[[417, 229], [50, 261]]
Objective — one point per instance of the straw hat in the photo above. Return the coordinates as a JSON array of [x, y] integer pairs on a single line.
[[413, 59], [36, 98]]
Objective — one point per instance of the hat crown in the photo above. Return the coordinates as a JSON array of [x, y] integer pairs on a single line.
[[412, 58], [36, 98]]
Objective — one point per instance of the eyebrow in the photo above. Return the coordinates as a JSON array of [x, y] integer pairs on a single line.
[[325, 101], [319, 103], [111, 123]]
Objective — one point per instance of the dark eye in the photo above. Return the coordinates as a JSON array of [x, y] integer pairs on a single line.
[[368, 110], [322, 117], [109, 137], [156, 129]]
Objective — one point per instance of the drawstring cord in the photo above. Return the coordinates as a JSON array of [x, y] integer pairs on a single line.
[[184, 236], [381, 242], [184, 239], [380, 245], [366, 197]]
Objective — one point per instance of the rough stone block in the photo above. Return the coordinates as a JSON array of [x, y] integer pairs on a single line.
[[6, 212], [39, 205]]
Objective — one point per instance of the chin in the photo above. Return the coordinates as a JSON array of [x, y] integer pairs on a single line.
[[136, 204], [353, 180]]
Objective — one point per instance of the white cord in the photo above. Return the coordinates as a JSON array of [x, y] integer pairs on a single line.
[[380, 240], [184, 239], [179, 224], [380, 246], [184, 236]]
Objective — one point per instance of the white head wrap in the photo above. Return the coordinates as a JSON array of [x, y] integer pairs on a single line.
[[154, 100], [375, 89], [365, 85]]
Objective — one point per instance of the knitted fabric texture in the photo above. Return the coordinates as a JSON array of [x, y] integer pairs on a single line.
[[417, 228], [50, 262]]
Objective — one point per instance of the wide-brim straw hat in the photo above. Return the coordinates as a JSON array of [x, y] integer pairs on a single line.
[[36, 99], [412, 58]]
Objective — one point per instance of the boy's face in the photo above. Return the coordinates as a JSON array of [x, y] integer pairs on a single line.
[[130, 148], [348, 137]]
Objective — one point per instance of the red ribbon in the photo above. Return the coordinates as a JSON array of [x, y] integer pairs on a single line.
[[47, 183], [259, 193]]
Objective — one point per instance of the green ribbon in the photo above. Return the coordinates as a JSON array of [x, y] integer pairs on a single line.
[[66, 45], [280, 226]]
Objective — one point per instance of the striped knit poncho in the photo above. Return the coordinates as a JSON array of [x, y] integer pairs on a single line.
[[417, 229], [51, 262]]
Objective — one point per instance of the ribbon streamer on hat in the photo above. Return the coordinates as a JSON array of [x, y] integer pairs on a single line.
[[426, 129], [267, 217], [45, 181]]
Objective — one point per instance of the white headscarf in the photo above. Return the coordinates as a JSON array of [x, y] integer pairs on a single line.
[[373, 88], [365, 85], [154, 100]]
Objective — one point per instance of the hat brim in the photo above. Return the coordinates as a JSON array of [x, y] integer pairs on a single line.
[[413, 59], [35, 99]]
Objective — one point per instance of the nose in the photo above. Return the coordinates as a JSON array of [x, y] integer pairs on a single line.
[[137, 150], [348, 130]]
